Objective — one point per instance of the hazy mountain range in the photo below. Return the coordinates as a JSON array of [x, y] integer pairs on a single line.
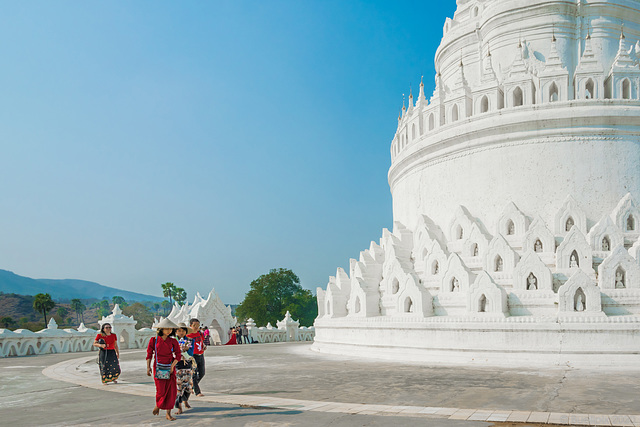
[[65, 288]]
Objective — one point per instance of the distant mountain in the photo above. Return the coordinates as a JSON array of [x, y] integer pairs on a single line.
[[65, 288]]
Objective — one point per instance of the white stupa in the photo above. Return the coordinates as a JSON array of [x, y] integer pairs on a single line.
[[515, 198]]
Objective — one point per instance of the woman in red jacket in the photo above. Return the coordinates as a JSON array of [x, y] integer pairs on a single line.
[[167, 355], [107, 342]]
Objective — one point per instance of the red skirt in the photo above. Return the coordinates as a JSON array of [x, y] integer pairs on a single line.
[[232, 340], [166, 391]]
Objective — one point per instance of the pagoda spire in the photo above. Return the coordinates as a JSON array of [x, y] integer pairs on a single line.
[[623, 59], [410, 100], [488, 73], [422, 100]]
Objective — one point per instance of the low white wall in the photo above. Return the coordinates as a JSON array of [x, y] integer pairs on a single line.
[[23, 342], [288, 330]]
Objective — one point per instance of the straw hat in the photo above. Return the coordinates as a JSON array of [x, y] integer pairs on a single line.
[[183, 325], [165, 323]]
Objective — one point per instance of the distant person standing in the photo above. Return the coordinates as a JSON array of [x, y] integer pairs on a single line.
[[198, 354], [245, 334], [109, 354]]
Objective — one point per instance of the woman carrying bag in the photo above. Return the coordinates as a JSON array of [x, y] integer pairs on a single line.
[[167, 355], [107, 342]]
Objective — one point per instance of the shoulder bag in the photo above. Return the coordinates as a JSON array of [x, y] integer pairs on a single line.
[[163, 370]]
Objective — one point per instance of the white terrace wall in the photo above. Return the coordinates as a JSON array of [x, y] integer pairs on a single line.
[[23, 342], [288, 330]]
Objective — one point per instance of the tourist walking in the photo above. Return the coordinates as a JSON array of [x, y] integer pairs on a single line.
[[198, 354], [185, 369], [167, 354], [109, 354]]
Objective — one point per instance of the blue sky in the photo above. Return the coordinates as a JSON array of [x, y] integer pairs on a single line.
[[201, 142]]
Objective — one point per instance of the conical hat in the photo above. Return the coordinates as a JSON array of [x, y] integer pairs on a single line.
[[183, 325], [165, 323]]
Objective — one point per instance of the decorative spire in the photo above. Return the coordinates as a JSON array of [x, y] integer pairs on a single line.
[[422, 100], [461, 81], [488, 73], [410, 99], [518, 67], [404, 108], [553, 61], [623, 60]]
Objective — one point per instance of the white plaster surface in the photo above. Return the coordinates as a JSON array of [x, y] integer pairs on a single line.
[[532, 133]]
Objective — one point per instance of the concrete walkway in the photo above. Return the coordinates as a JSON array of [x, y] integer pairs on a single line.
[[286, 384]]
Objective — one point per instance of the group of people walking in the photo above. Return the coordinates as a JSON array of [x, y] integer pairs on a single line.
[[175, 359]]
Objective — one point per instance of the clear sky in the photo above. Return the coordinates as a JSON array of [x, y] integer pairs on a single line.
[[202, 142]]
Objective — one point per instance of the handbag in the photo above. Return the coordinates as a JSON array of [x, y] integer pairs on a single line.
[[163, 370], [100, 350]]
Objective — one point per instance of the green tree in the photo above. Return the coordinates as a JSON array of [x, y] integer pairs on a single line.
[[156, 307], [79, 308], [43, 303], [103, 312], [166, 305], [141, 313], [6, 321], [180, 295], [168, 290], [119, 300], [62, 312], [272, 294]]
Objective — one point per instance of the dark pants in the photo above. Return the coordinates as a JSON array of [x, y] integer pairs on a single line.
[[246, 339], [199, 372]]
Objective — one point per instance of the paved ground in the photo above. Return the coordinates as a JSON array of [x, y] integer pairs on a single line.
[[241, 374]]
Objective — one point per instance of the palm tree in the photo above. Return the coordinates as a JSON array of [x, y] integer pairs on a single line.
[[42, 304], [78, 307], [180, 295], [168, 290]]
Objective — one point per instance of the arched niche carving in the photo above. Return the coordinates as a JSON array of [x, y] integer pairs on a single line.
[[455, 271], [512, 222], [476, 243], [414, 299], [575, 243], [626, 209], [435, 264], [337, 294], [499, 249], [461, 224], [532, 264], [366, 276], [578, 283], [570, 211], [538, 232], [603, 233], [494, 297], [619, 259]]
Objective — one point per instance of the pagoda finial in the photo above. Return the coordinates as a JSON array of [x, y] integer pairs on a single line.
[[553, 33], [622, 31], [421, 80]]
